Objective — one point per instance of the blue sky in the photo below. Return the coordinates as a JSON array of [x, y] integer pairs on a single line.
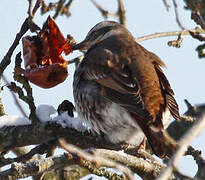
[[185, 71]]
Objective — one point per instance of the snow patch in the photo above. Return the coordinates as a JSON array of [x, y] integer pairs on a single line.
[[74, 122], [13, 120], [44, 112], [48, 113]]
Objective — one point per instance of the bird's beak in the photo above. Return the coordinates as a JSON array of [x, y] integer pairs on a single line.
[[80, 46]]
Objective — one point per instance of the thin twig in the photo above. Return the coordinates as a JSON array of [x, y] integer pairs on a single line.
[[30, 6], [37, 5], [166, 34], [104, 12], [199, 161], [29, 94], [121, 12], [177, 15], [40, 149], [2, 112], [183, 145], [98, 161], [15, 99], [166, 5], [176, 43], [59, 8], [67, 7]]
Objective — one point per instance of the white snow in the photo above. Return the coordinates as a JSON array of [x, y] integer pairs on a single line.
[[13, 120], [74, 122], [44, 112], [48, 113]]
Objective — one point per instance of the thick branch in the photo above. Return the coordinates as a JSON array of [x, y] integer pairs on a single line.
[[137, 165], [143, 167], [97, 161], [20, 170]]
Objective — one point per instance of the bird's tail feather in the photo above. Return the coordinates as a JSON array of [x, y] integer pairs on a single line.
[[160, 141], [162, 144]]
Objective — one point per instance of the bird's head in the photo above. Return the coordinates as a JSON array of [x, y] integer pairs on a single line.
[[100, 32]]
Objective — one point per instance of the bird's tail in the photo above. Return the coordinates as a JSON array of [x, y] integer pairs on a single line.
[[162, 144], [160, 141]]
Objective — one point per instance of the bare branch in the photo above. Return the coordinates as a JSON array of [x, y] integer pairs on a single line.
[[41, 149], [59, 8], [30, 134], [104, 12], [183, 145], [2, 112], [7, 58], [29, 94], [200, 162], [66, 9], [121, 12], [166, 34], [149, 170], [96, 160], [30, 6], [15, 98], [37, 5], [20, 170], [177, 15], [198, 19], [176, 43], [166, 4]]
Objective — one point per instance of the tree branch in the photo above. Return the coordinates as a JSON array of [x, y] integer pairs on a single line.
[[2, 112], [183, 145], [171, 33], [7, 58], [27, 24], [97, 161], [15, 98], [137, 165], [121, 12], [20, 170], [143, 167], [177, 15], [167, 6]]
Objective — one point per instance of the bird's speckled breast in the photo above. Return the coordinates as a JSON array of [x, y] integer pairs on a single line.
[[102, 115]]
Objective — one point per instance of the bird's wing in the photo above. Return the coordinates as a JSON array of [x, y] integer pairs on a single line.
[[118, 83]]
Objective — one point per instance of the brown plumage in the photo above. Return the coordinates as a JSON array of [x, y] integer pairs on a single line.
[[120, 89]]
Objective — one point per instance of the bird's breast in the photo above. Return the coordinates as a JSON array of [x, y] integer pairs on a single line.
[[103, 116]]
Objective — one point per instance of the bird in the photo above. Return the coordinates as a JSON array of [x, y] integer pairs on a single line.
[[120, 90]]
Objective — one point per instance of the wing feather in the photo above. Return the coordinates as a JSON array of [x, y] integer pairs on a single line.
[[169, 94], [119, 85]]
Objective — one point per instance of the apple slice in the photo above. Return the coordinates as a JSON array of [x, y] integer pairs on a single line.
[[44, 64]]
